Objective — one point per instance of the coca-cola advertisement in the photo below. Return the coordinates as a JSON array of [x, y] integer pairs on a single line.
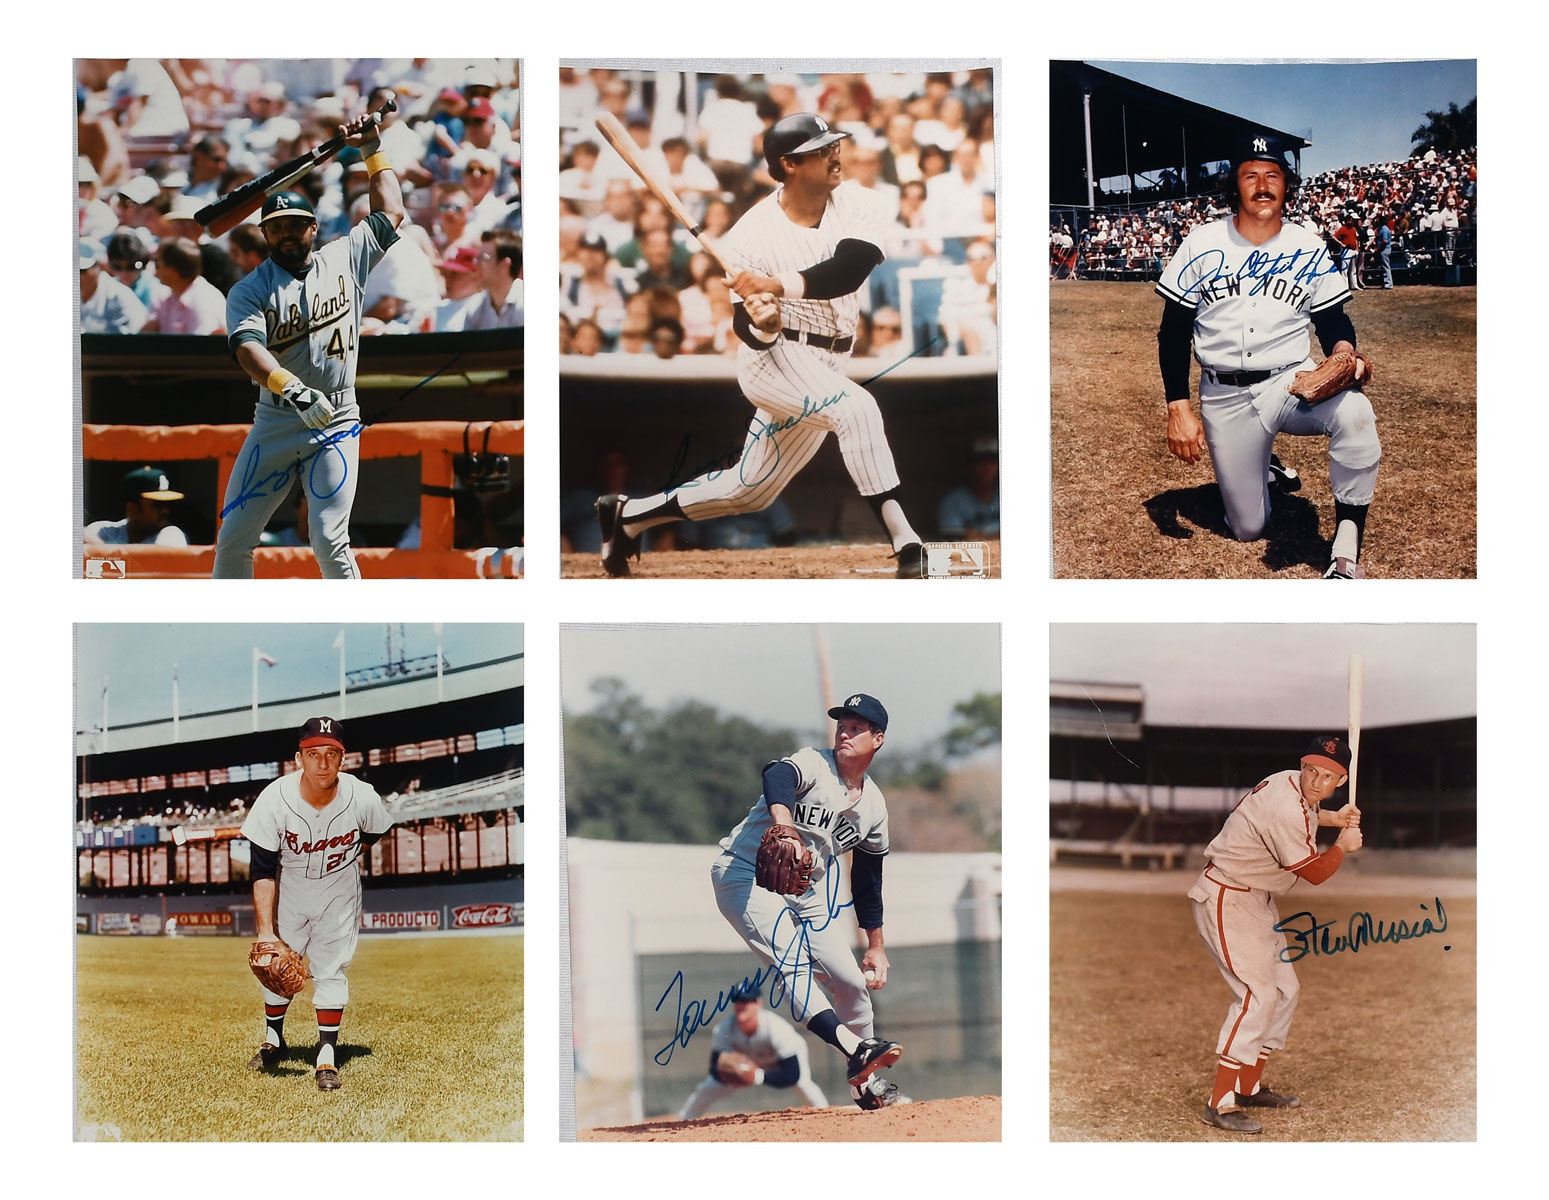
[[472, 916]]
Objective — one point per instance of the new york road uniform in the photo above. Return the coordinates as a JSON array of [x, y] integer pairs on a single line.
[[319, 892], [774, 1041], [773, 926]]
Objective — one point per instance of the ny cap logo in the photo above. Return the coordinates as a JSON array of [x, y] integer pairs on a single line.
[[1260, 146], [853, 702]]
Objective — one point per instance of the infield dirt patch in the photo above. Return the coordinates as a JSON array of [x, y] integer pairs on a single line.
[[794, 562], [967, 1119]]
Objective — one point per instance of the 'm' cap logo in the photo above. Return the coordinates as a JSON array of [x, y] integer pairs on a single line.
[[326, 726], [1260, 146], [1330, 747]]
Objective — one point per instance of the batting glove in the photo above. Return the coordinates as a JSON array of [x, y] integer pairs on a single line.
[[312, 406]]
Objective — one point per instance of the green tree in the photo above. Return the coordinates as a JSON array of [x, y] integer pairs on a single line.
[[1444, 132], [978, 725]]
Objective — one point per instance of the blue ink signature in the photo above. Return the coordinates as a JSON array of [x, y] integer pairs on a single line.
[[696, 1014], [1303, 266], [1314, 938]]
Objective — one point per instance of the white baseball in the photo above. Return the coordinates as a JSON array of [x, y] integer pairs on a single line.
[[871, 976]]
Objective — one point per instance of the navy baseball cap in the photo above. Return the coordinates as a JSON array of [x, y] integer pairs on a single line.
[[744, 991], [868, 708], [1328, 750], [1260, 147], [322, 731]]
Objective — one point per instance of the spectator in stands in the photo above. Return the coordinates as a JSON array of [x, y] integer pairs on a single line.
[[148, 497], [206, 164], [247, 247], [908, 239], [215, 264], [659, 265], [403, 290], [968, 304], [863, 165], [729, 126], [947, 128], [954, 204], [691, 179], [99, 141], [887, 334], [666, 337], [587, 340], [580, 183], [147, 101], [97, 218], [193, 304], [933, 162], [635, 334], [971, 511], [615, 225], [446, 131], [265, 131], [479, 171], [600, 291], [464, 290], [107, 306], [451, 228], [500, 273], [139, 206], [900, 160], [127, 259], [707, 308]]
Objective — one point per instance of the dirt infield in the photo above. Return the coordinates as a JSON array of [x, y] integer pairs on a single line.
[[968, 1119], [1383, 1047], [795, 562], [1123, 507]]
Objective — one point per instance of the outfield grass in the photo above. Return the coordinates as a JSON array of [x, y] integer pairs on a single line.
[[430, 1050]]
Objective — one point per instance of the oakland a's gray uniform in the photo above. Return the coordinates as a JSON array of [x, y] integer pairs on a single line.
[[805, 937], [311, 325], [773, 1042], [1252, 309], [319, 899]]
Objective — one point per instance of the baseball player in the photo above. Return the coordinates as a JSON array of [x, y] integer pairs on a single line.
[[778, 1054], [1245, 289], [798, 260], [148, 499], [307, 830], [824, 800], [295, 331], [1267, 847]]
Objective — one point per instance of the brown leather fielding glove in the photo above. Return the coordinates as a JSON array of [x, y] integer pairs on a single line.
[[278, 967], [1330, 377], [784, 862], [734, 1068]]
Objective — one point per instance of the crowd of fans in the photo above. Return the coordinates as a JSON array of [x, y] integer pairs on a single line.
[[1427, 205], [159, 139], [634, 281]]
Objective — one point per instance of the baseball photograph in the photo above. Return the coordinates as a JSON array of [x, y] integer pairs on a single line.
[[1262, 883], [301, 316], [1225, 404], [299, 895], [750, 261], [782, 899]]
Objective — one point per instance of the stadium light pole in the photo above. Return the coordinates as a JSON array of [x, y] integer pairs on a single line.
[[338, 644]]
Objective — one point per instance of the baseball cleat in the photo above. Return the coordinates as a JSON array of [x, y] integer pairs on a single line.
[[1283, 477], [328, 1078], [1344, 568], [268, 1054], [617, 549], [878, 1093], [1264, 1098], [1232, 1122], [870, 1057], [911, 561]]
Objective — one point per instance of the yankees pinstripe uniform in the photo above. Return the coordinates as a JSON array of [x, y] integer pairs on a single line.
[[794, 376], [772, 1043], [307, 830], [1267, 847]]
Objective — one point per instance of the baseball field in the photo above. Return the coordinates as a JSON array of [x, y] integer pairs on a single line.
[[430, 1049], [970, 1119], [1382, 1049], [793, 562], [1124, 508]]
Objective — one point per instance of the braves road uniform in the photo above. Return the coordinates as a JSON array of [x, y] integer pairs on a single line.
[[798, 383], [311, 324], [773, 1044], [803, 936], [1252, 306], [1271, 834], [319, 893]]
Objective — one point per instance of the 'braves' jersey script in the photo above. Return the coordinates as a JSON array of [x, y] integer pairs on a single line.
[[1270, 833], [311, 324], [829, 821], [1252, 304], [768, 242], [318, 845]]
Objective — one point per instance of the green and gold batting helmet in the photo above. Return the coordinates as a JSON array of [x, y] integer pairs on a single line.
[[286, 204]]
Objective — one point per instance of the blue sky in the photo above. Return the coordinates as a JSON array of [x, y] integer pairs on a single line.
[[1354, 113]]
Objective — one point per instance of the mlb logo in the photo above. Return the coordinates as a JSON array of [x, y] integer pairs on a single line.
[[957, 560], [105, 568]]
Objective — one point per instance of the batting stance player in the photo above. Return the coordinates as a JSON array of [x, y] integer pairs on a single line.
[[778, 1051], [307, 830], [798, 260], [1245, 290], [836, 807], [295, 331], [1267, 847]]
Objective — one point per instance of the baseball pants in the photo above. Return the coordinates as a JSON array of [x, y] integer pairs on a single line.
[[1240, 429], [279, 450], [796, 935], [711, 1089], [801, 397], [1238, 926], [322, 923]]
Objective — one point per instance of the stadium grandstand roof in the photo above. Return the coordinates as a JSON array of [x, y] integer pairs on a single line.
[[1135, 129]]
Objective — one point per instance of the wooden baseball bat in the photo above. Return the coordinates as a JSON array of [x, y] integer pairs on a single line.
[[618, 137], [228, 211], [1357, 689]]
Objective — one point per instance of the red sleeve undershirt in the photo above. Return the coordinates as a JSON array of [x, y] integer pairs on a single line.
[[1323, 866]]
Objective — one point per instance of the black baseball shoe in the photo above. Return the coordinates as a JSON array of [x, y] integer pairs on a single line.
[[876, 1093], [617, 549], [870, 1057], [1232, 1122], [1283, 477], [911, 561], [328, 1078], [268, 1054], [1264, 1098], [1344, 568]]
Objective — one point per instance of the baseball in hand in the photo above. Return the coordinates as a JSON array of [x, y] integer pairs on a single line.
[[871, 977]]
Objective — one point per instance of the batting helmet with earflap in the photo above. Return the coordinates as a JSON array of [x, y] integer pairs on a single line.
[[800, 134]]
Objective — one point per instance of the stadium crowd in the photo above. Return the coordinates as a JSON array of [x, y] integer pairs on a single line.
[[1421, 211], [634, 281], [160, 138]]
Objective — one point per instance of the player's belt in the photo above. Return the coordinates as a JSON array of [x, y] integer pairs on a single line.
[[1240, 378], [341, 398], [840, 345]]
